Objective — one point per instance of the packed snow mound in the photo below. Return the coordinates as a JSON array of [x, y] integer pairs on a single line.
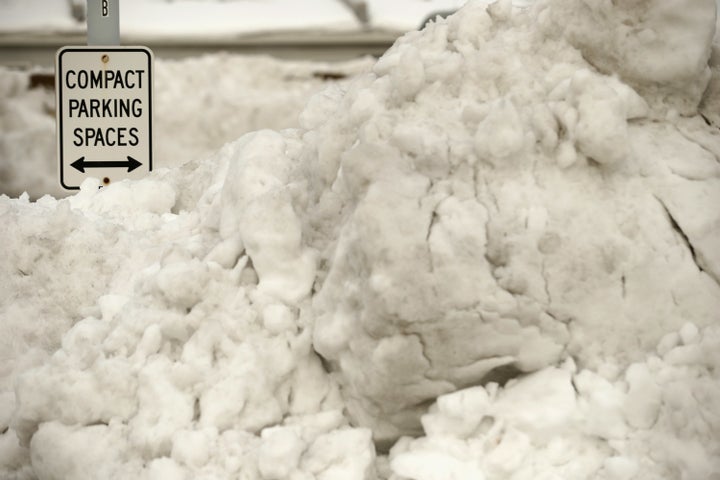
[[489, 202], [181, 368], [657, 419], [491, 222], [661, 47]]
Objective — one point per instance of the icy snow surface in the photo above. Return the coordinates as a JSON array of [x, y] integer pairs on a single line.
[[493, 257]]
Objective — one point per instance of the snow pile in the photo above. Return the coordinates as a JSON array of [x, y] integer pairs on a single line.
[[178, 367], [657, 419], [501, 206], [486, 223]]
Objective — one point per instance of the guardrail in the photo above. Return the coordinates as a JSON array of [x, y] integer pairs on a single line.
[[27, 51]]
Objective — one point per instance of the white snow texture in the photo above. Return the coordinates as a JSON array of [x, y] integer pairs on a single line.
[[495, 256]]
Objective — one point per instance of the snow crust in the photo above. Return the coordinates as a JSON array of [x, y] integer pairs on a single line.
[[492, 257]]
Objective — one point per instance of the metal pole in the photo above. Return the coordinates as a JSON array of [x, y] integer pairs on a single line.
[[103, 22]]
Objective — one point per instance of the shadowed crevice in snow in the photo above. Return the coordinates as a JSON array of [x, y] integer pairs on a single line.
[[676, 226], [502, 374], [700, 142]]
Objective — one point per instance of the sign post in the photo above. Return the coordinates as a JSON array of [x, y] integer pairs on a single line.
[[103, 22], [104, 104]]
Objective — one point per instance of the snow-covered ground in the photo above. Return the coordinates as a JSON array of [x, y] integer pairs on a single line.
[[493, 256]]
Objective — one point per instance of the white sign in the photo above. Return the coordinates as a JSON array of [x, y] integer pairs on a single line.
[[104, 113]]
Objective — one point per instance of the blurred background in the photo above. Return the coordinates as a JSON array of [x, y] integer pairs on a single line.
[[30, 30], [222, 68]]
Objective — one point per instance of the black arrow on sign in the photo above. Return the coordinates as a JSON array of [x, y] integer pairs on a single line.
[[80, 164]]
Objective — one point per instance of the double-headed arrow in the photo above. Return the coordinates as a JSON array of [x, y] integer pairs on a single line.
[[80, 164]]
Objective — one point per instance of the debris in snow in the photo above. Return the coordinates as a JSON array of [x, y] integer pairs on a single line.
[[488, 243]]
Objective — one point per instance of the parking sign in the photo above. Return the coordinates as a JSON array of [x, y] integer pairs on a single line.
[[104, 113]]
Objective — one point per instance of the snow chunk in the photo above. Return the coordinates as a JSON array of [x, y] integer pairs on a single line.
[[662, 47], [432, 465], [644, 397], [182, 283], [280, 453], [579, 432], [257, 206], [498, 135], [73, 453], [473, 227], [193, 447], [327, 457]]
